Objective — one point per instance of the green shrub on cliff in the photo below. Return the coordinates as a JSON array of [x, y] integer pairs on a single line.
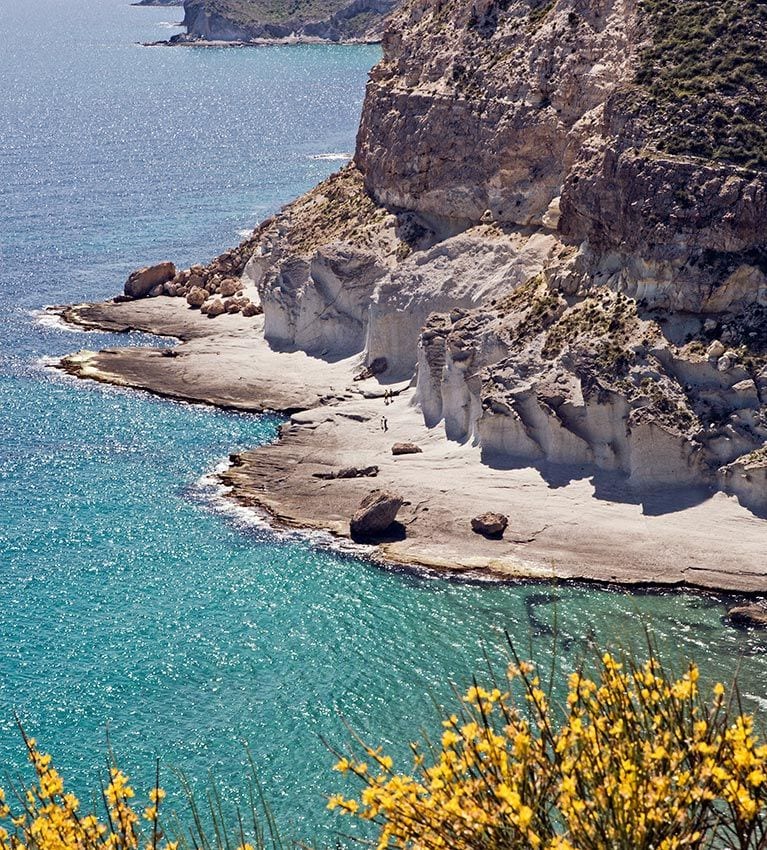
[[704, 75]]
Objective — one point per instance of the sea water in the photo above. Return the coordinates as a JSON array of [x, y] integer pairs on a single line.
[[133, 603]]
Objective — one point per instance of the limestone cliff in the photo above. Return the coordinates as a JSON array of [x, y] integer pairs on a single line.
[[556, 222], [303, 20]]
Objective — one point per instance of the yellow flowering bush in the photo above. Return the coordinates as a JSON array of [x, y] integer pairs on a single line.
[[635, 760], [45, 816]]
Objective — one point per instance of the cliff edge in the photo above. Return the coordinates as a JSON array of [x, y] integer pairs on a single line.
[[555, 225], [268, 20], [562, 233]]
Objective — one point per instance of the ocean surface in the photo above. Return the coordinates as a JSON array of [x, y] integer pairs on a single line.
[[131, 598]]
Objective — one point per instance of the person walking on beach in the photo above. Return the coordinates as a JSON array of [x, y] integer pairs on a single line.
[[384, 424]]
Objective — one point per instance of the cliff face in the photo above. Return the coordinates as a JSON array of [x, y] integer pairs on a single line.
[[556, 222], [642, 123], [484, 106], [249, 20]]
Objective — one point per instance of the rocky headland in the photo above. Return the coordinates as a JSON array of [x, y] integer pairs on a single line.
[[243, 22], [552, 247]]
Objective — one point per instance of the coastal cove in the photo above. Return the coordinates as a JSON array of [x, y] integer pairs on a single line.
[[135, 596], [564, 521]]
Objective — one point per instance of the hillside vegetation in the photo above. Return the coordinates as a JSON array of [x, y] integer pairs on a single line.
[[705, 77]]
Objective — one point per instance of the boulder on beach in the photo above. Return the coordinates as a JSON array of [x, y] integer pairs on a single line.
[[229, 286], [196, 297], [216, 307], [490, 524], [143, 281], [376, 513], [748, 615], [406, 449], [251, 309]]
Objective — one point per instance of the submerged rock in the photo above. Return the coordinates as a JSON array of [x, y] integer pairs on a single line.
[[142, 282], [753, 615], [376, 513]]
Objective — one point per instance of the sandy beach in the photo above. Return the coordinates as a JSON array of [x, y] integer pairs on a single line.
[[563, 523]]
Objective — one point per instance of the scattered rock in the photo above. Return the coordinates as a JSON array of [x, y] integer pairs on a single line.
[[142, 282], [406, 449], [376, 513], [196, 297], [748, 615], [228, 287], [377, 367], [348, 472], [715, 350], [357, 472], [215, 308], [251, 309], [490, 524]]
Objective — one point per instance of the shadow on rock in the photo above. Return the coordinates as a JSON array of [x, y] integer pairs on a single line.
[[394, 533]]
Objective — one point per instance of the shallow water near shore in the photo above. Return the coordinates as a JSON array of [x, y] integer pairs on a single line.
[[130, 596]]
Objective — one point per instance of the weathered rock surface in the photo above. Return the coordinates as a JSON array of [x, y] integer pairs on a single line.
[[544, 228], [304, 20], [406, 449], [375, 514], [348, 472], [141, 283], [490, 524]]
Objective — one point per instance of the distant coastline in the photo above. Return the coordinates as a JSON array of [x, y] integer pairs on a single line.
[[190, 41]]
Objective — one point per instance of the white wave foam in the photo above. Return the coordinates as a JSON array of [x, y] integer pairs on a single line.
[[170, 25], [760, 701], [217, 497], [45, 317], [244, 234], [331, 157]]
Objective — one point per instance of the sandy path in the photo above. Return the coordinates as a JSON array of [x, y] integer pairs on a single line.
[[563, 523]]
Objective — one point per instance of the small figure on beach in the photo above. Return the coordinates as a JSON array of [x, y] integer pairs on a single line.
[[384, 424], [388, 397]]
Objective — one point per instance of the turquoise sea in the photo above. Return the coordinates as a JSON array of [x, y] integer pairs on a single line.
[[131, 599]]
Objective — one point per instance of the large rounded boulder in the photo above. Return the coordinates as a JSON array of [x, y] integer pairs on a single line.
[[142, 282], [375, 515]]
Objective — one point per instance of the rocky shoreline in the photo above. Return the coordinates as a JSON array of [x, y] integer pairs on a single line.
[[559, 530], [253, 23], [552, 259], [191, 41]]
